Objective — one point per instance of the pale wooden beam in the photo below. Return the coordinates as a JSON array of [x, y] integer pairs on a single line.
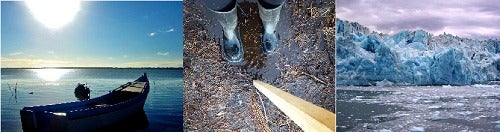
[[309, 117]]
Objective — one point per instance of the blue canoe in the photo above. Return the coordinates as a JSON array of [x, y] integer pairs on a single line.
[[88, 115]]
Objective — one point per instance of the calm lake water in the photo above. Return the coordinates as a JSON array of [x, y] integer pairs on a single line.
[[163, 107]]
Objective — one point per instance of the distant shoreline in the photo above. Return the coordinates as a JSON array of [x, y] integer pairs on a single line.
[[93, 68]]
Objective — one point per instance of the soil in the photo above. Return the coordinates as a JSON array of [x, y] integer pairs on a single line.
[[220, 96]]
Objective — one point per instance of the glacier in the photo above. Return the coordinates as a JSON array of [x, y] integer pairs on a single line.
[[369, 58]]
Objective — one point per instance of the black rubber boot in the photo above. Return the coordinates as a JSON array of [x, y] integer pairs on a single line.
[[269, 12], [232, 49]]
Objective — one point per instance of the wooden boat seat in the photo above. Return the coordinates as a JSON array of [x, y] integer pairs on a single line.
[[127, 92], [135, 87], [122, 93]]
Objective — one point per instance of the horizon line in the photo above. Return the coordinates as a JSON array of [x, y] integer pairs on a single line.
[[86, 67]]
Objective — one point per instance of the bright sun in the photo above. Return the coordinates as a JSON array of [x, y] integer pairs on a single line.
[[54, 14]]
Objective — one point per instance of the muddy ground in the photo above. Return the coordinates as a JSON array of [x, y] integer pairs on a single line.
[[219, 95]]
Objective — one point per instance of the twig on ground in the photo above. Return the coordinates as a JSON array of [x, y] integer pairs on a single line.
[[263, 107], [315, 78]]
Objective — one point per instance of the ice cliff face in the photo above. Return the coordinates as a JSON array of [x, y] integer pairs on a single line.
[[412, 58]]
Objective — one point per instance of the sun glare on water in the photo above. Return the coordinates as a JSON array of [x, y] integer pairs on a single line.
[[51, 74], [54, 14]]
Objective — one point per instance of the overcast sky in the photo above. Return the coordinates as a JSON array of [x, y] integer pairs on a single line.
[[464, 18]]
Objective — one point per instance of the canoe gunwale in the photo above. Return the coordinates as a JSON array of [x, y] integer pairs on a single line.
[[106, 109], [64, 105]]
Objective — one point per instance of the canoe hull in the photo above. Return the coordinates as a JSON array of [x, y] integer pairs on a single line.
[[88, 115], [62, 123]]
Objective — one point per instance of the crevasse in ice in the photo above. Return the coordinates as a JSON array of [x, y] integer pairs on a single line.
[[412, 58]]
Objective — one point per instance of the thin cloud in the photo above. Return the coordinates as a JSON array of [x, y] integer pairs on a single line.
[[161, 31], [169, 30], [173, 63], [16, 53], [50, 52], [9, 62], [162, 53], [125, 56]]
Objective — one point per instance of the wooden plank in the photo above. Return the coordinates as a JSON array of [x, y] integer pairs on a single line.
[[309, 117]]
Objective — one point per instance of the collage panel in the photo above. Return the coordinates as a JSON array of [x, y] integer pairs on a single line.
[[230, 47], [250, 65], [418, 65], [70, 66], [91, 66]]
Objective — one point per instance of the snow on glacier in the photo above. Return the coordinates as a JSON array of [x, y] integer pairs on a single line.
[[412, 58]]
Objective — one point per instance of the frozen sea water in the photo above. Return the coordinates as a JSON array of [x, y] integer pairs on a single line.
[[415, 108]]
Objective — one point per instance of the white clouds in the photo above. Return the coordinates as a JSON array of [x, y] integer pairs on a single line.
[[92, 62], [172, 63], [16, 53], [161, 31], [479, 32], [169, 30], [50, 52], [162, 53], [8, 62], [478, 18]]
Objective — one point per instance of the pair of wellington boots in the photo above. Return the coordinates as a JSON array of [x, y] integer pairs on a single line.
[[232, 48]]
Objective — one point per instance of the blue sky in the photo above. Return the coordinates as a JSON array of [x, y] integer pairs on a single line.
[[102, 34]]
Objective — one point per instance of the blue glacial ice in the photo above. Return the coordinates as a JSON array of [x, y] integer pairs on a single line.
[[366, 58]]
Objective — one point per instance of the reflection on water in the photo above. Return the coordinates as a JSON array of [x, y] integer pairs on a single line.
[[50, 74], [13, 91]]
